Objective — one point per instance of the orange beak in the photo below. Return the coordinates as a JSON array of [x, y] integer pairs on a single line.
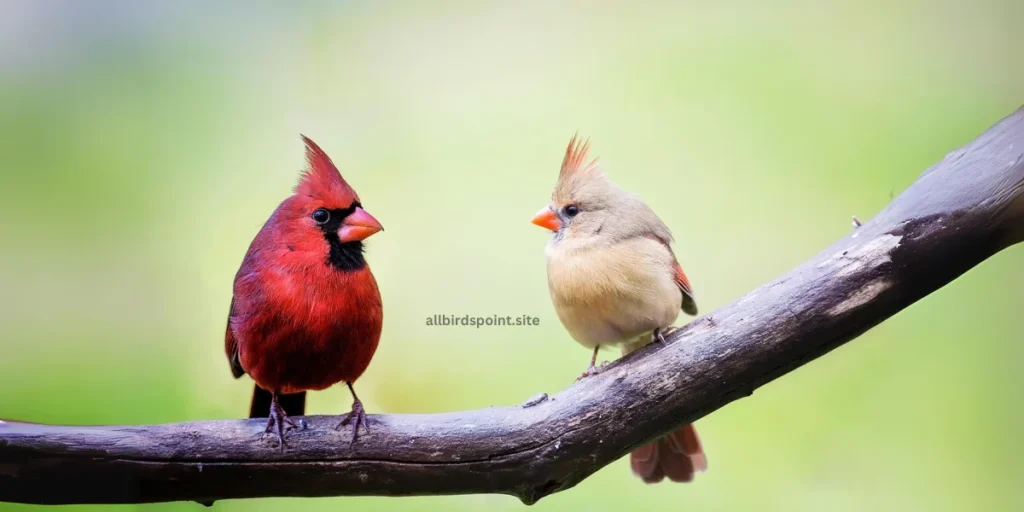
[[358, 226], [546, 218]]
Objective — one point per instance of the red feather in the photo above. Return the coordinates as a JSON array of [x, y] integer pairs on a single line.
[[678, 456], [682, 281], [321, 179], [296, 322], [301, 324], [689, 304]]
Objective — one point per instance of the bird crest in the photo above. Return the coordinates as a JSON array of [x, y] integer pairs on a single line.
[[322, 180], [579, 178], [576, 157]]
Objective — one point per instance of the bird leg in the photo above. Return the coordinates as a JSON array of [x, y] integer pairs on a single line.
[[278, 419], [660, 333], [593, 369], [357, 416]]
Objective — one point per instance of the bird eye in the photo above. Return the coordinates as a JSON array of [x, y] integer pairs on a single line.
[[572, 210], [321, 216]]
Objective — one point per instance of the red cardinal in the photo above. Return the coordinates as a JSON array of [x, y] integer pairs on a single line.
[[615, 281], [306, 313]]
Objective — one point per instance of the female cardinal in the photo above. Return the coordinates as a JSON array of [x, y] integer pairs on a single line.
[[306, 313], [614, 281]]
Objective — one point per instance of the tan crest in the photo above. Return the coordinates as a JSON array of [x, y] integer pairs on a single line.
[[575, 157], [579, 179]]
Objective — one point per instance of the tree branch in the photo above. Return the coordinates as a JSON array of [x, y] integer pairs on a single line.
[[958, 213]]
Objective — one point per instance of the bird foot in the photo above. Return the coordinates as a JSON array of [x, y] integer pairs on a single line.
[[593, 370], [278, 423], [660, 333], [358, 418]]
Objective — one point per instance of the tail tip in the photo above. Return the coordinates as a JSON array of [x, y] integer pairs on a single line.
[[678, 456]]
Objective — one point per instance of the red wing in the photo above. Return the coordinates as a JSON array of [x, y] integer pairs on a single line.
[[245, 275], [231, 346], [689, 305], [682, 281]]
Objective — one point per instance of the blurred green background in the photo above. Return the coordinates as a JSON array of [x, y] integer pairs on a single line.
[[144, 144]]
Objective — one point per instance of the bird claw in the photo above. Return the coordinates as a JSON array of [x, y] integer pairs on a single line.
[[358, 418], [271, 430], [289, 425], [281, 421], [592, 370], [660, 333]]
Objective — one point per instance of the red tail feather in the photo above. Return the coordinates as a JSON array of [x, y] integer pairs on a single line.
[[677, 456]]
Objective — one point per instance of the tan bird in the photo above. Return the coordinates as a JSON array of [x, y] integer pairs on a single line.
[[615, 281]]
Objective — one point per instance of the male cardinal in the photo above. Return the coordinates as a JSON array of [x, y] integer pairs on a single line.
[[614, 280], [306, 313]]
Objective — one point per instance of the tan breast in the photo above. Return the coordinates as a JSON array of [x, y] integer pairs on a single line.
[[609, 294]]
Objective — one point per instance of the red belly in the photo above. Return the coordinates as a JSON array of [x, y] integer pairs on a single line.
[[304, 341], [292, 362]]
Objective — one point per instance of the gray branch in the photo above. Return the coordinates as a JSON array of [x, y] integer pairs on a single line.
[[958, 213]]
